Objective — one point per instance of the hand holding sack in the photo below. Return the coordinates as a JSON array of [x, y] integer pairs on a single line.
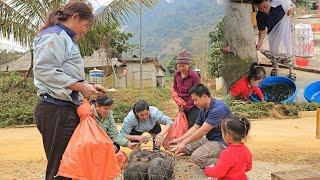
[[90, 152], [179, 101], [179, 127]]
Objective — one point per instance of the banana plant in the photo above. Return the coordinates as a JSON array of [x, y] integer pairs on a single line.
[[23, 18]]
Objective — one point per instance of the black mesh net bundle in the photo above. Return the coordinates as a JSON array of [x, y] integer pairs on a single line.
[[150, 165]]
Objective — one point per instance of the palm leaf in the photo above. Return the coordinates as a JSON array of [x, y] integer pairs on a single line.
[[122, 10], [23, 18]]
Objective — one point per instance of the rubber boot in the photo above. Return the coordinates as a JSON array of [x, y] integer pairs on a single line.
[[154, 146]]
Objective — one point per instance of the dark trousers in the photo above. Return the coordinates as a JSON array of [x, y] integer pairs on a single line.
[[117, 146], [155, 130], [56, 124], [192, 116]]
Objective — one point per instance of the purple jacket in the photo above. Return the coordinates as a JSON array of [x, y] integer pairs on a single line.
[[182, 86]]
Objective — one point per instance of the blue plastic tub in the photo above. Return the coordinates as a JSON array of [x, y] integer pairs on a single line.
[[271, 80], [312, 92]]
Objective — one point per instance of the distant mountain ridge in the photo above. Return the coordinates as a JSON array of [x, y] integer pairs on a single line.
[[171, 25]]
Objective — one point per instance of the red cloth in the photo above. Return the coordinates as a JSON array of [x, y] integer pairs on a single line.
[[243, 90], [182, 86], [232, 164]]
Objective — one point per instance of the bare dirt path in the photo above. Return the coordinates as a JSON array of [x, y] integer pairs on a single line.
[[276, 145]]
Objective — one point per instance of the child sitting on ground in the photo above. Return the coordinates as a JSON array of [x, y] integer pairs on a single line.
[[236, 159], [249, 84]]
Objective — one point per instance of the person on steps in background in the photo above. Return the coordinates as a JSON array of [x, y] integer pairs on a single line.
[[144, 118], [273, 18], [104, 117], [249, 84], [59, 76], [236, 159], [184, 79], [203, 150]]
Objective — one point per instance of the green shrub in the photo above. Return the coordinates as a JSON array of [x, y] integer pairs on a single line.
[[16, 105]]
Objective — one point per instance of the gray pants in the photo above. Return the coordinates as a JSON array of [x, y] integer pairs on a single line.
[[204, 152]]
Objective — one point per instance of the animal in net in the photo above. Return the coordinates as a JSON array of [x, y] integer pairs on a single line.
[[150, 165]]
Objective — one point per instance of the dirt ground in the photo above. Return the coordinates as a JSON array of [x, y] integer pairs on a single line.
[[276, 145]]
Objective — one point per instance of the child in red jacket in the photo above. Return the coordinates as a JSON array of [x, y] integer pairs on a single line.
[[249, 84], [236, 159]]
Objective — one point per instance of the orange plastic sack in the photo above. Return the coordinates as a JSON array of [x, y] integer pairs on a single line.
[[90, 152], [179, 127], [122, 159], [179, 101]]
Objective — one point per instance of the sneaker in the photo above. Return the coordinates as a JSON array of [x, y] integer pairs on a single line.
[[292, 76], [274, 72]]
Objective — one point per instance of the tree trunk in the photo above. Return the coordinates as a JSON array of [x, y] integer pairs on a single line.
[[238, 30], [239, 36]]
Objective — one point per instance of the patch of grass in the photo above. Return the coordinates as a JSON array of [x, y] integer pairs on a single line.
[[125, 98]]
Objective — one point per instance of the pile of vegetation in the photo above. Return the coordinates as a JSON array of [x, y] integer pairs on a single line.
[[254, 110]]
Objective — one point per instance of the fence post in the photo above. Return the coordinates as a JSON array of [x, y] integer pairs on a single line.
[[318, 124]]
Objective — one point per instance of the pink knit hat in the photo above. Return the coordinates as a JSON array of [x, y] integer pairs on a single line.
[[183, 57]]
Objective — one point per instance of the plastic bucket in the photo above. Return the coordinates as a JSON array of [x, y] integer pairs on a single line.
[[302, 62], [272, 80], [95, 76], [312, 92]]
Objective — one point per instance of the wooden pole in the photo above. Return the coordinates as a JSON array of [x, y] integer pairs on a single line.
[[318, 124]]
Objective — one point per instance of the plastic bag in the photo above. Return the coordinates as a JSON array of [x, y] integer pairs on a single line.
[[90, 152], [280, 40], [179, 127], [122, 159], [179, 101]]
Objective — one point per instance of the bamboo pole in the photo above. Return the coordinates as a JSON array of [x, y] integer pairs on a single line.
[[318, 124]]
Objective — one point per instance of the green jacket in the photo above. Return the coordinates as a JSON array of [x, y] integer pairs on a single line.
[[109, 126]]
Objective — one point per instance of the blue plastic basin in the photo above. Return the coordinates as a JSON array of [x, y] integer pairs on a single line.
[[271, 80], [312, 92]]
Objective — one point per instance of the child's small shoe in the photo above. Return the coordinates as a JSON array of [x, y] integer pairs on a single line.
[[292, 76], [274, 72]]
